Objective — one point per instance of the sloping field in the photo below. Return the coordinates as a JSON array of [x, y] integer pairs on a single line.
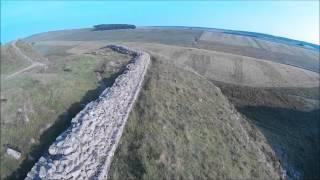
[[229, 39], [237, 40], [302, 61], [214, 65], [133, 35], [233, 44], [235, 69]]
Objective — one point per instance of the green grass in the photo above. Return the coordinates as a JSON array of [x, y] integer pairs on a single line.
[[50, 98], [182, 127]]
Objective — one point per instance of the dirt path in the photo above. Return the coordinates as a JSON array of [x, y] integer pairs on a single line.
[[33, 63]]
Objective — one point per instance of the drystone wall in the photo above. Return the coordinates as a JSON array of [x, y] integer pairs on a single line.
[[86, 148]]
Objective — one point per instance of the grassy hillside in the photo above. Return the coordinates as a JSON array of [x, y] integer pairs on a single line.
[[40, 103], [232, 68], [188, 37], [182, 127]]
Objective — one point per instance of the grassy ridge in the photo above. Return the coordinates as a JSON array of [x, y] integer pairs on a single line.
[[182, 127]]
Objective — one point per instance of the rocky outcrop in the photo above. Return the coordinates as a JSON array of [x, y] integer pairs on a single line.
[[13, 153], [86, 148]]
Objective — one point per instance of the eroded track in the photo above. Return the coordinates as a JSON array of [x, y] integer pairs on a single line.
[[33, 63]]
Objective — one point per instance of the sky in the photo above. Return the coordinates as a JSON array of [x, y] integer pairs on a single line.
[[298, 20]]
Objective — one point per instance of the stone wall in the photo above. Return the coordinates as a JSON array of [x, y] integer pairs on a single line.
[[86, 148]]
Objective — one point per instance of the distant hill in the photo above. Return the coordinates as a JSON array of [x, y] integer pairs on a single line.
[[202, 38]]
